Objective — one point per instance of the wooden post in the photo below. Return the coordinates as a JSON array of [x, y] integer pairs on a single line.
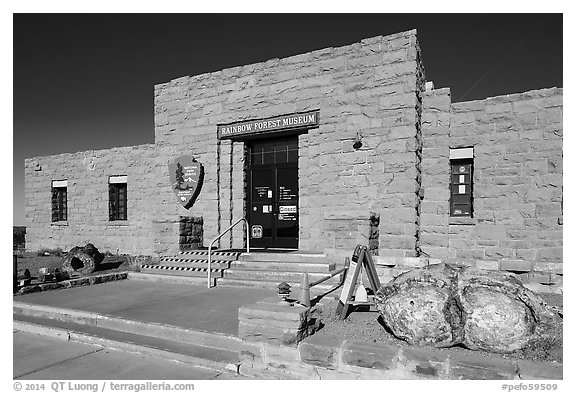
[[347, 266]]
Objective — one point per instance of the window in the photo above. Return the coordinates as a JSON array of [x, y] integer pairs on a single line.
[[118, 198], [276, 151], [461, 175], [59, 200]]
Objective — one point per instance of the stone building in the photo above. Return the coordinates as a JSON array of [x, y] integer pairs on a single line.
[[320, 152]]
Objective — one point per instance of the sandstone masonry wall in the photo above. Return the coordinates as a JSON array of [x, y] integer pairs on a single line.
[[88, 220], [367, 88], [517, 182], [399, 177]]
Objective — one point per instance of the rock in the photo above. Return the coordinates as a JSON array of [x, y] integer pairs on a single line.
[[413, 305], [440, 306], [82, 260], [498, 312]]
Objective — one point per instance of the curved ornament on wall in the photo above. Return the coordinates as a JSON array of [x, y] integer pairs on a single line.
[[186, 179]]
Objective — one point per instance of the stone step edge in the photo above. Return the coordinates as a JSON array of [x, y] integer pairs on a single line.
[[222, 255], [194, 280], [242, 262], [166, 271], [85, 338], [283, 258], [312, 276], [295, 286], [177, 258], [142, 328], [184, 260], [205, 252], [183, 268], [218, 266], [284, 264]]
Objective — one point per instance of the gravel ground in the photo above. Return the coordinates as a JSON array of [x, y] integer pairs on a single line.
[[368, 326]]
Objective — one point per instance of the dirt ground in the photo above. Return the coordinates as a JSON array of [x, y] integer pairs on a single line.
[[367, 325]]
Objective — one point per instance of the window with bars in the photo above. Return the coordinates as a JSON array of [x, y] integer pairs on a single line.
[[118, 199], [461, 188], [59, 201]]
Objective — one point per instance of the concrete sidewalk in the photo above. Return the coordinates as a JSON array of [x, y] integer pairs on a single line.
[[188, 306], [38, 357]]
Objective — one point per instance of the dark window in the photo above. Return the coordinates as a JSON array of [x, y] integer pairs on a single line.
[[59, 204], [118, 201], [274, 152], [461, 188]]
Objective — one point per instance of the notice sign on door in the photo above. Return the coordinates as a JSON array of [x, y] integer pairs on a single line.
[[287, 209], [288, 213]]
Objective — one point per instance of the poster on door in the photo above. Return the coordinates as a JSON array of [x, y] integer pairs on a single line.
[[288, 213], [286, 194]]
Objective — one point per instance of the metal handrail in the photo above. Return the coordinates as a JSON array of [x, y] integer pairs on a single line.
[[305, 285], [218, 237], [334, 273]]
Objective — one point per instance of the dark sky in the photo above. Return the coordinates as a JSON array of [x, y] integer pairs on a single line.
[[86, 81]]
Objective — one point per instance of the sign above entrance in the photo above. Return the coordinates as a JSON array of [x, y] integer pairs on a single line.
[[186, 177], [280, 123]]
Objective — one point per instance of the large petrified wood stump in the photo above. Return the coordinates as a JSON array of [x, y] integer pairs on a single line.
[[82, 260], [441, 305]]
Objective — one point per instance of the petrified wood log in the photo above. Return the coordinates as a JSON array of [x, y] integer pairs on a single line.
[[82, 260], [441, 305]]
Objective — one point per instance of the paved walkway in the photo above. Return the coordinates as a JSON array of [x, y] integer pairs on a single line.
[[44, 358], [190, 306]]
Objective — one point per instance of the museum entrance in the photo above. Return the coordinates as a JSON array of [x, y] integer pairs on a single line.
[[273, 192]]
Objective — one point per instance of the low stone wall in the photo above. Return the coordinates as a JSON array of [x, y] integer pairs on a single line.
[[539, 277], [281, 345], [73, 282], [333, 357]]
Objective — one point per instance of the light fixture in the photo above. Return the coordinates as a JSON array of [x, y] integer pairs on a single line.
[[357, 141]]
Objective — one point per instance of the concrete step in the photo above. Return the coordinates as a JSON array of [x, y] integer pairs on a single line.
[[181, 270], [265, 275], [283, 257], [171, 278], [283, 266], [203, 255], [145, 328], [318, 290], [193, 354], [194, 264]]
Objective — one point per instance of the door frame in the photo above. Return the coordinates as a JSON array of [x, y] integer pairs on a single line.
[[275, 242]]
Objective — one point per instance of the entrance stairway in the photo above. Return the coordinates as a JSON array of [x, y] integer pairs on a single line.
[[191, 266], [255, 269]]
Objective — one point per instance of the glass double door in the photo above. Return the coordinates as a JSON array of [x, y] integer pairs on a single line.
[[273, 193]]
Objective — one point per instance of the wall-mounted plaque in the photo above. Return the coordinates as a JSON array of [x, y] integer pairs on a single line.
[[186, 178]]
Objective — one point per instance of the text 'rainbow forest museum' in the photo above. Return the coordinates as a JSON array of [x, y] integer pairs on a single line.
[[320, 152]]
